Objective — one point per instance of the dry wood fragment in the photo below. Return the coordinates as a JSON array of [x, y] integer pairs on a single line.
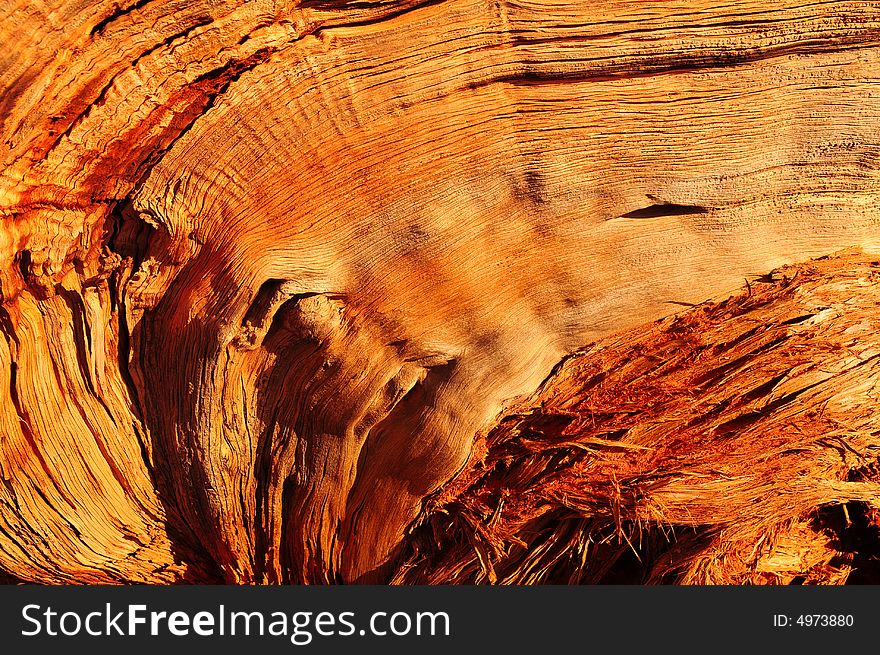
[[736, 442], [267, 268]]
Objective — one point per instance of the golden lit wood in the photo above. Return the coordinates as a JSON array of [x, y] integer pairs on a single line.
[[268, 269]]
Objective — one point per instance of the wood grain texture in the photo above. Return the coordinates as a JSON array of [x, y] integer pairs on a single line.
[[733, 443], [267, 268]]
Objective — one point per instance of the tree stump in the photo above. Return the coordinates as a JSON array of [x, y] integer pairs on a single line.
[[282, 285]]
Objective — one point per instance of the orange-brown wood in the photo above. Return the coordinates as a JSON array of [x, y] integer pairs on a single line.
[[268, 269]]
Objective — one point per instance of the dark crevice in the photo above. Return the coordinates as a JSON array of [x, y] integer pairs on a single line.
[[627, 568], [267, 297], [312, 294], [764, 389], [854, 530], [129, 237], [400, 11], [666, 209], [7, 578], [24, 265], [7, 328], [116, 15], [798, 319]]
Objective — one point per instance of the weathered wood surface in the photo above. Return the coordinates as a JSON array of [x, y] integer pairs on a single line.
[[267, 269], [734, 443]]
